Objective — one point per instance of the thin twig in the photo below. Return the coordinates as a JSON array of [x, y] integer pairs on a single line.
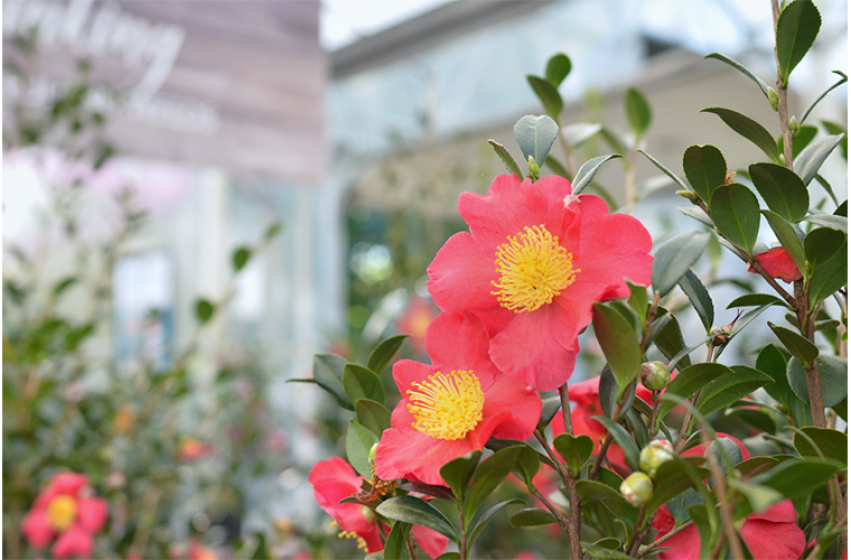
[[726, 508], [575, 507], [649, 549]]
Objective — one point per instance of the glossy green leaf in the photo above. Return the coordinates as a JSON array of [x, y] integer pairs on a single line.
[[834, 129], [550, 406], [672, 478], [697, 214], [788, 238], [558, 68], [417, 512], [665, 170], [783, 191], [756, 300], [796, 344], [361, 383], [670, 341], [797, 28], [680, 506], [689, 381], [532, 517], [482, 522], [759, 419], [735, 211], [328, 373], [810, 160], [548, 94], [699, 298], [675, 257], [535, 136], [838, 223], [798, 477], [359, 441], [830, 276], [622, 438], [575, 450], [832, 373], [729, 388], [638, 112], [506, 158], [240, 258], [741, 68], [440, 492], [802, 138], [395, 547], [748, 128], [620, 346], [487, 477], [608, 389], [204, 310], [373, 415], [772, 361], [587, 171], [638, 300], [383, 353], [842, 79], [705, 169], [457, 472], [527, 465], [832, 444], [597, 551]]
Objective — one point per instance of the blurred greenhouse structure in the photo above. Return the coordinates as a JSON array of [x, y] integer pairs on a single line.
[[228, 116]]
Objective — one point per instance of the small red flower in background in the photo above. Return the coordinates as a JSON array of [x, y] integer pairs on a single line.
[[198, 551], [770, 534], [453, 406], [534, 261], [192, 449], [415, 320], [65, 509], [778, 264], [334, 480]]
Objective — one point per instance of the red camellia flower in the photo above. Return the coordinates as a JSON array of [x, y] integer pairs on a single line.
[[534, 261], [334, 480], [67, 510], [778, 264], [770, 534], [454, 405]]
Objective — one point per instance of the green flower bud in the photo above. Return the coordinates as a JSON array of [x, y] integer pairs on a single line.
[[368, 514], [657, 452], [772, 97], [372, 453], [793, 125], [691, 196], [655, 376], [720, 336], [637, 489]]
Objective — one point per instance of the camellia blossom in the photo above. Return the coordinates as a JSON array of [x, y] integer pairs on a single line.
[[778, 264], [534, 261], [334, 480], [453, 406], [67, 510], [772, 533]]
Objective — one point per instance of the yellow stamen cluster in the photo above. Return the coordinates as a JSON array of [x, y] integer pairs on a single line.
[[447, 406], [61, 512], [533, 269], [350, 535]]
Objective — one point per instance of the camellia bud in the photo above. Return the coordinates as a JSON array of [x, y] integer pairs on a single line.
[[772, 97], [659, 451], [655, 376], [534, 169], [691, 196], [793, 125], [372, 453], [368, 514], [721, 336], [637, 488]]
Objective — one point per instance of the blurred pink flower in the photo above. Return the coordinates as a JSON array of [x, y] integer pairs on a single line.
[[192, 449], [415, 320]]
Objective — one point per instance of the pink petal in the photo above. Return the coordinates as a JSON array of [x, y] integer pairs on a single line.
[[335, 469], [92, 513], [520, 401], [372, 539], [349, 516], [781, 512], [458, 342], [414, 455], [76, 541], [36, 528], [432, 542], [778, 541], [685, 545], [63, 483], [778, 264], [701, 449], [461, 275], [495, 319]]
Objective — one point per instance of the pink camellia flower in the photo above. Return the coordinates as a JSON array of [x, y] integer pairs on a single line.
[[453, 406], [334, 480], [65, 509], [770, 534], [534, 261], [778, 264]]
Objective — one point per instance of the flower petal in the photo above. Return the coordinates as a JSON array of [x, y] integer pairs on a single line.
[[778, 541], [76, 541], [36, 528], [92, 513], [458, 342], [335, 469], [781, 512], [414, 455], [461, 275], [520, 401], [432, 542], [778, 264], [685, 545]]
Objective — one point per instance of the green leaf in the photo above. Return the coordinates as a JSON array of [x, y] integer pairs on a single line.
[[748, 128], [328, 373], [417, 512], [587, 171], [384, 352], [756, 300], [486, 518], [672, 478], [735, 211], [532, 517], [64, 285], [578, 133], [842, 79], [675, 257], [759, 497], [440, 492], [699, 298], [833, 444], [665, 170], [820, 245], [487, 477], [549, 96], [638, 300], [772, 361], [838, 223], [457, 472], [670, 341], [759, 419], [832, 374], [729, 388], [705, 169], [204, 310], [689, 381], [273, 230], [622, 438], [597, 551], [536, 135], [788, 238], [449, 556], [361, 383], [556, 167], [373, 415], [697, 214], [359, 441], [638, 112], [798, 477], [608, 390], [829, 276], [549, 407], [558, 67], [797, 28], [395, 547], [506, 158], [240, 258], [680, 505], [726, 59], [783, 191], [833, 128], [796, 344], [810, 160], [800, 140], [620, 346], [575, 450]]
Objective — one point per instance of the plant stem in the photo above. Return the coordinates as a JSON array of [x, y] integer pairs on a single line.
[[412, 549], [629, 181], [726, 508], [782, 109], [687, 418], [463, 543], [574, 526], [563, 521], [650, 548]]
